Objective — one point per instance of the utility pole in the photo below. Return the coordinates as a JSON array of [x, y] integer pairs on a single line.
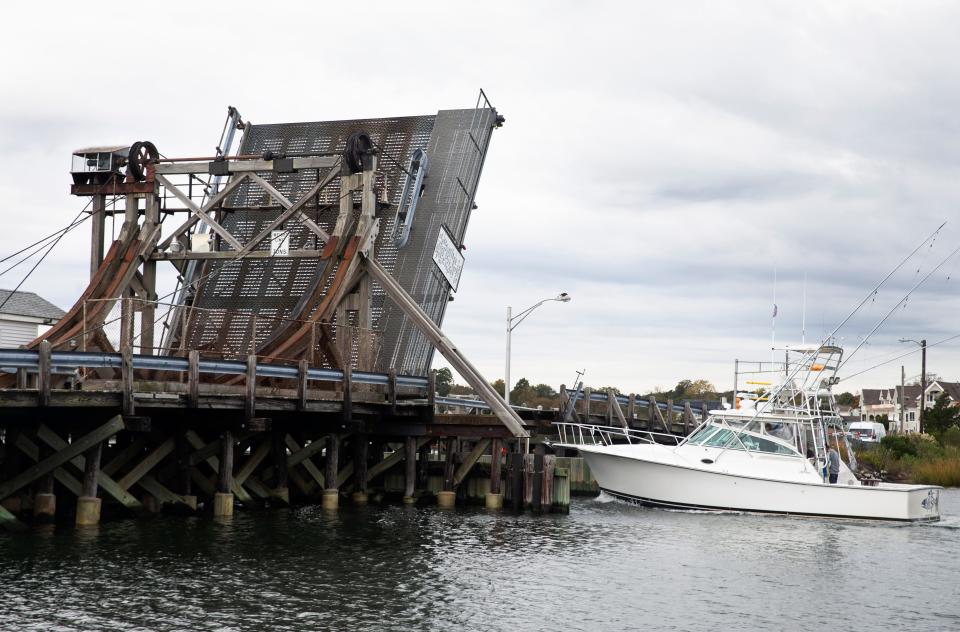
[[903, 398], [923, 382]]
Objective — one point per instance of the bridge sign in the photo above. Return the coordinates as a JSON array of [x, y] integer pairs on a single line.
[[448, 258], [279, 243]]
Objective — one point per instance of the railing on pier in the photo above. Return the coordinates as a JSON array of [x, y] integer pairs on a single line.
[[66, 362], [591, 434]]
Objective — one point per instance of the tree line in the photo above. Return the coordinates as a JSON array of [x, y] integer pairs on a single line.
[[524, 393]]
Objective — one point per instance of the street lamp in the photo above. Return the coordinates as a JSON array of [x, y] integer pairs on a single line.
[[512, 323], [923, 378]]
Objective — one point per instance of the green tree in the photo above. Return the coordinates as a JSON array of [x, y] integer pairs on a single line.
[[682, 387], [544, 390], [461, 389], [498, 387], [444, 381], [941, 417], [847, 399], [698, 389], [691, 389], [521, 391], [604, 389]]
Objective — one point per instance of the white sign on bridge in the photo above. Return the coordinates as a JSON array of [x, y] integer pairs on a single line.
[[280, 242], [448, 258]]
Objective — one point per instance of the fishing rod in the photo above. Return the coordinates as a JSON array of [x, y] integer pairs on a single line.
[[902, 355], [892, 272], [897, 305]]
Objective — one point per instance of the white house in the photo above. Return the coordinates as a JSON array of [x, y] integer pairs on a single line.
[[938, 387], [884, 403], [23, 317]]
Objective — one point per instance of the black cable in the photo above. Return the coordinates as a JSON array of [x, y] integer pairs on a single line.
[[27, 275], [37, 251], [48, 237], [395, 161], [903, 355]]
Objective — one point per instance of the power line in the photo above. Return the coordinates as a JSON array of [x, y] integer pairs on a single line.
[[52, 246], [902, 355], [61, 232], [45, 239]]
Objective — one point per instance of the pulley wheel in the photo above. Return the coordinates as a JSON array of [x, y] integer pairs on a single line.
[[358, 144], [142, 153]]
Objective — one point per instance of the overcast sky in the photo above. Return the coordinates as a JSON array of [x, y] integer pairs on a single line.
[[659, 161]]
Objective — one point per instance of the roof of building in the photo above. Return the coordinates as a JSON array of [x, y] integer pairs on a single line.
[[869, 396], [28, 304], [912, 392], [952, 389]]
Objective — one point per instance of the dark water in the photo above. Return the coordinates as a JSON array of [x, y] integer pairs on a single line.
[[606, 566]]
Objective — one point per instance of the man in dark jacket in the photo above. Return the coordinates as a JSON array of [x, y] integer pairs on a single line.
[[833, 464]]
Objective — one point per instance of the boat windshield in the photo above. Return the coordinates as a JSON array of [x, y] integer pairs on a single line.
[[746, 436]]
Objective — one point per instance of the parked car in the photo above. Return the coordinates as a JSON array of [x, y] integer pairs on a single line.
[[866, 431]]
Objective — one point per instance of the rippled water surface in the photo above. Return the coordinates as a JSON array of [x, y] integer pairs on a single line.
[[606, 566]]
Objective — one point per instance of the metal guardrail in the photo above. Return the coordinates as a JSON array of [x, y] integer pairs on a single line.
[[68, 361], [591, 434], [65, 361]]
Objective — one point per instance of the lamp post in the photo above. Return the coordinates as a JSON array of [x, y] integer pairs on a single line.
[[512, 323], [923, 378]]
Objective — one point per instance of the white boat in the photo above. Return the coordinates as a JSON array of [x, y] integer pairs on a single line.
[[766, 455]]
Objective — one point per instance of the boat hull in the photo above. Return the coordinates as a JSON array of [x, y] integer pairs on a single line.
[[679, 486]]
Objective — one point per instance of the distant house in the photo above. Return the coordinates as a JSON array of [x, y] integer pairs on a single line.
[[877, 404], [911, 408], [24, 316], [936, 388]]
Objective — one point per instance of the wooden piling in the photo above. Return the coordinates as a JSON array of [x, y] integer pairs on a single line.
[[410, 470], [494, 498], [223, 498], [447, 497], [516, 468], [193, 378], [88, 504], [331, 494], [361, 455], [688, 419], [44, 500], [536, 499], [496, 459], [280, 491], [250, 401], [43, 373], [12, 465], [423, 466], [126, 378]]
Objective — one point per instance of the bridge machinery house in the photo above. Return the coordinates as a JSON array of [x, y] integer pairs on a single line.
[[24, 316]]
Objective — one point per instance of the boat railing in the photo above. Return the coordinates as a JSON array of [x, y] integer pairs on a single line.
[[591, 434]]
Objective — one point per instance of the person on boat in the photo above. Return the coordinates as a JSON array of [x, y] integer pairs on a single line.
[[833, 464]]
